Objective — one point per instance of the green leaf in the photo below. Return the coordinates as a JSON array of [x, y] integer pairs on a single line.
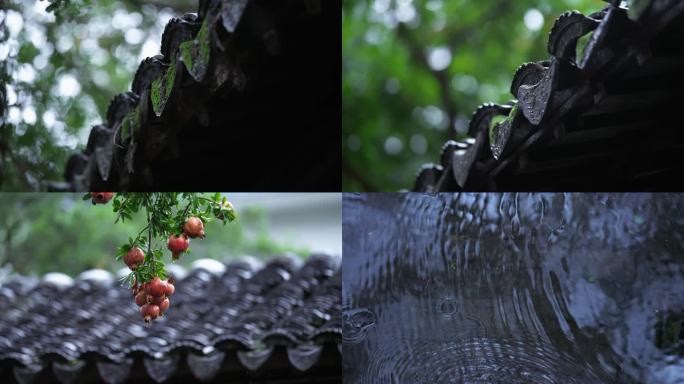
[[27, 52]]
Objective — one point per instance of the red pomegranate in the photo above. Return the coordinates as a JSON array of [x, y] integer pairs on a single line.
[[194, 227], [134, 257], [101, 197], [170, 289], [156, 287], [141, 299], [156, 300], [149, 312], [178, 245], [164, 305]]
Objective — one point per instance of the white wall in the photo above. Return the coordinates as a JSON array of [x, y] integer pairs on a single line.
[[312, 220]]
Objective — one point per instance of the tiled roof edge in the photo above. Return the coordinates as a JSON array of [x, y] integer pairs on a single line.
[[199, 54], [576, 44], [316, 283]]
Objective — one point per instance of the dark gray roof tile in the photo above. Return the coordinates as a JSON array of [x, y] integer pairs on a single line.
[[596, 115], [234, 314], [214, 67]]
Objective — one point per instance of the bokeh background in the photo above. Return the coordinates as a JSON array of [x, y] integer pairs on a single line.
[[414, 71], [60, 68], [59, 232]]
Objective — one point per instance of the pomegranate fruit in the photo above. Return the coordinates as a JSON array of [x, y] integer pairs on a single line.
[[194, 227], [156, 287], [152, 297], [149, 312], [141, 299], [134, 257], [101, 197], [156, 300], [178, 245], [170, 289], [164, 305]]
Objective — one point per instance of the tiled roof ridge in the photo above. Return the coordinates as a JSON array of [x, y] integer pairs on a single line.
[[242, 310], [199, 54], [577, 44]]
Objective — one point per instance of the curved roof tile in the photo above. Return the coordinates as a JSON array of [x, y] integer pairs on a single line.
[[595, 115], [218, 318]]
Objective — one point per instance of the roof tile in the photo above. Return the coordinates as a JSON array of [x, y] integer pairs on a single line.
[[215, 310], [606, 92]]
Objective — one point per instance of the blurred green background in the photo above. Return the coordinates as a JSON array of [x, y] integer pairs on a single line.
[[60, 69], [414, 71], [59, 232]]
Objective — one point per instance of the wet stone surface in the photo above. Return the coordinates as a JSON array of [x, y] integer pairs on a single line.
[[513, 288]]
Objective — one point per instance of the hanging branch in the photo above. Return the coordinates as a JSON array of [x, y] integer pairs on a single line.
[[164, 218]]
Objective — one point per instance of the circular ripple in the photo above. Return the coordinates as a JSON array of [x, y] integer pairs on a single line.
[[355, 324], [473, 361], [447, 306]]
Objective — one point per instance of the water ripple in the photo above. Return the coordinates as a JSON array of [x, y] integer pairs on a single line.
[[514, 288]]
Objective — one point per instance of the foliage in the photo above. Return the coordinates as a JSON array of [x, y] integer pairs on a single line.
[[166, 214], [68, 8], [56, 232], [61, 63], [415, 71]]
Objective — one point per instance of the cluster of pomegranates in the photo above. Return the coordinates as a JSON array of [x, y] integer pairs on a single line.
[[153, 297], [177, 244]]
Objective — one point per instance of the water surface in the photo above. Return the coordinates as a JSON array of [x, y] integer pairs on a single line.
[[513, 288]]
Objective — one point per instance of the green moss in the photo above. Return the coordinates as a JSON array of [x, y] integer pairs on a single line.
[[186, 53], [494, 123], [130, 125], [514, 111], [161, 88], [493, 128], [156, 95], [170, 78], [195, 53], [203, 40], [582, 46]]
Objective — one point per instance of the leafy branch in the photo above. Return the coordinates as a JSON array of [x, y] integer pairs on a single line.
[[167, 214]]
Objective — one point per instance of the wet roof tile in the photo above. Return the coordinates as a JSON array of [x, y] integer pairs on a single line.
[[238, 312], [217, 72], [596, 115]]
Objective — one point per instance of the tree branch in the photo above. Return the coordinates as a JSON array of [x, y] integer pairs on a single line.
[[441, 77], [356, 176]]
